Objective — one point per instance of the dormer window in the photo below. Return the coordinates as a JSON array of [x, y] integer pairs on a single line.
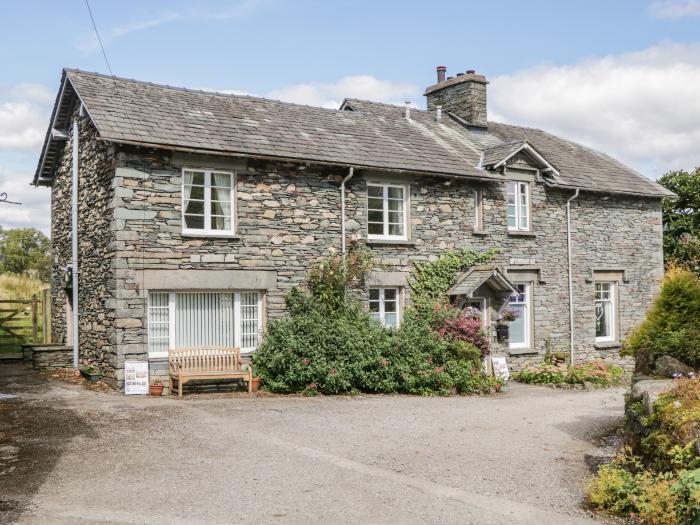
[[518, 204]]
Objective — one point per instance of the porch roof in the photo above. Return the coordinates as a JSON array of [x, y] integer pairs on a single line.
[[472, 280]]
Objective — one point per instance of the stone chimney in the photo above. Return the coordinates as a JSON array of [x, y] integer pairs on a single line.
[[463, 95]]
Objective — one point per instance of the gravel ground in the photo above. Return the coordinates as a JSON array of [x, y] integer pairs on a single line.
[[69, 454]]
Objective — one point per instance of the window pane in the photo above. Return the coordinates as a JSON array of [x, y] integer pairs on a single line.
[[396, 229], [374, 294], [221, 194], [375, 229], [517, 327], [375, 315], [221, 180], [390, 319], [374, 306], [204, 320], [375, 216], [395, 206], [375, 191], [395, 193], [601, 320], [194, 207], [195, 192], [395, 217], [390, 294], [194, 178], [511, 217], [375, 204], [250, 315], [194, 222], [158, 323], [221, 223]]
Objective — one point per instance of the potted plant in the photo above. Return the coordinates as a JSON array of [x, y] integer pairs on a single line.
[[506, 316], [90, 372], [156, 387]]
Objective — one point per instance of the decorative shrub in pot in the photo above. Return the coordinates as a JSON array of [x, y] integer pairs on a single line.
[[91, 373]]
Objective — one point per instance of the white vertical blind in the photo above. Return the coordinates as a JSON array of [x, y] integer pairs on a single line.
[[203, 319]]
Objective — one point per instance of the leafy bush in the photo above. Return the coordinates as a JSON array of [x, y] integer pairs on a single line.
[[313, 351], [460, 325], [671, 325], [592, 372]]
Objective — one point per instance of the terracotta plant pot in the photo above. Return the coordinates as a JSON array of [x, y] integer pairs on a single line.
[[255, 386], [155, 390]]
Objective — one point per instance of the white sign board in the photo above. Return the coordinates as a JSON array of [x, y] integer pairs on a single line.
[[135, 377], [500, 367]]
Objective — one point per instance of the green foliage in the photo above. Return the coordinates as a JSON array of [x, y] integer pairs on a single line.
[[328, 344], [662, 486], [595, 372], [431, 280], [671, 325], [682, 219], [25, 251], [330, 280], [313, 352]]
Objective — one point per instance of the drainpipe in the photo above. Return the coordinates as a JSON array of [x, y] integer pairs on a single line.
[[74, 234], [571, 283], [351, 172]]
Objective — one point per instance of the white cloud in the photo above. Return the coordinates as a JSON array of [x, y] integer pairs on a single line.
[[22, 125], [330, 95], [640, 107], [674, 8], [34, 211]]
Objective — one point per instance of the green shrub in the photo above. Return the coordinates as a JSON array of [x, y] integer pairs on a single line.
[[543, 374], [671, 325], [345, 351]]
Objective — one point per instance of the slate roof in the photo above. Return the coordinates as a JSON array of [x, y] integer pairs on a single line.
[[372, 136], [468, 283]]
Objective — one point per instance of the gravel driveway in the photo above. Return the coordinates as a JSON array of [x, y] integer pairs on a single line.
[[73, 455]]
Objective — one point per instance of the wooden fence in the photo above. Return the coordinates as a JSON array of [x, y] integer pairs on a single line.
[[25, 321]]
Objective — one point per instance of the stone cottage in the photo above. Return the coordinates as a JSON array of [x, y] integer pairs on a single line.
[[198, 211]]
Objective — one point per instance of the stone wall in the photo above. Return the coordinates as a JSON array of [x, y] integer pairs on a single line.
[[289, 217], [464, 96], [96, 277]]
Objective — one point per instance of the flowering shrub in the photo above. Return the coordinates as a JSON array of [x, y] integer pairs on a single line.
[[592, 372], [460, 325]]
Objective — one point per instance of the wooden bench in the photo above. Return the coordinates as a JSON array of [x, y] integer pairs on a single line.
[[186, 364]]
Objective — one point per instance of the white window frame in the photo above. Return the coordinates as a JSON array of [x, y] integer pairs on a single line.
[[612, 302], [207, 230], [521, 188], [172, 302], [528, 317], [478, 210], [385, 209], [382, 304]]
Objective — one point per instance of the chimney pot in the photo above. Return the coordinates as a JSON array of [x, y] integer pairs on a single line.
[[438, 114], [471, 71], [460, 74], [441, 70], [450, 78], [408, 110]]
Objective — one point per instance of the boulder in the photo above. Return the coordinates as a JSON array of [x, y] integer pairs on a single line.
[[667, 366], [650, 385]]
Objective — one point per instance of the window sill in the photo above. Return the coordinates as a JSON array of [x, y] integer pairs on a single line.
[[521, 233], [391, 242], [480, 233], [607, 345], [203, 235], [521, 351]]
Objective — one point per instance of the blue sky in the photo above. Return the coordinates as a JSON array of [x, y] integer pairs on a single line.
[[620, 76]]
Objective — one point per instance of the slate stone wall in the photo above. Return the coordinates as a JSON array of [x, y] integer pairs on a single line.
[[466, 99], [96, 279], [289, 218]]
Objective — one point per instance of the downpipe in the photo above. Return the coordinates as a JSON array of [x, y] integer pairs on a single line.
[[349, 176], [74, 236], [571, 279]]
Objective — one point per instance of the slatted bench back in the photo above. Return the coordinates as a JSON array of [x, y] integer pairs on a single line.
[[205, 359]]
